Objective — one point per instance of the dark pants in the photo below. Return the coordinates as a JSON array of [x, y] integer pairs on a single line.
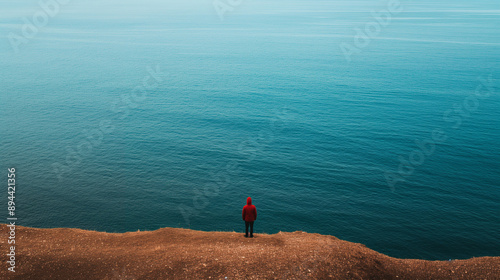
[[246, 228]]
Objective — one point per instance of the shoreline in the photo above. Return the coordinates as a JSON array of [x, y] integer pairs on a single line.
[[177, 253]]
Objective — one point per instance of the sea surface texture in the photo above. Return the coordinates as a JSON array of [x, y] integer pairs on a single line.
[[377, 122]]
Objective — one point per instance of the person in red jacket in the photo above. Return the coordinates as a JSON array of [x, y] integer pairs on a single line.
[[249, 215]]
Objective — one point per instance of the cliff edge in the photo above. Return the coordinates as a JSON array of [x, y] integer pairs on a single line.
[[173, 253]]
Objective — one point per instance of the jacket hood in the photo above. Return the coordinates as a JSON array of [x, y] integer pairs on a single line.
[[249, 201]]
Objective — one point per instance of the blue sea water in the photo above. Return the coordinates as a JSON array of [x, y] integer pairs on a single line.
[[264, 104]]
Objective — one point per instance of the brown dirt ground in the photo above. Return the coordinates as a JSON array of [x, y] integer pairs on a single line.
[[172, 253]]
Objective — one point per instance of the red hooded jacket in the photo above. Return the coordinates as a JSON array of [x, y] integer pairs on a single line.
[[249, 213]]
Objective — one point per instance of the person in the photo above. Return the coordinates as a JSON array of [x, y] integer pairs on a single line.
[[249, 215]]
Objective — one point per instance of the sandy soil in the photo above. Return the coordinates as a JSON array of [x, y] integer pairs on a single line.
[[171, 253]]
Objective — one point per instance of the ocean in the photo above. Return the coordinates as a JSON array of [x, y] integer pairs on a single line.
[[377, 122]]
